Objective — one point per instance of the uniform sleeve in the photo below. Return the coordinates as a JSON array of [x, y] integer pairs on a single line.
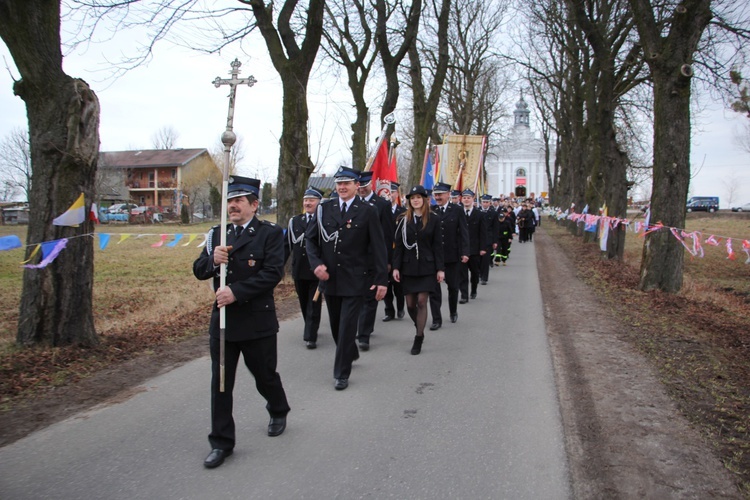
[[312, 242], [203, 267], [437, 246], [377, 247], [398, 250], [483, 232], [463, 233]]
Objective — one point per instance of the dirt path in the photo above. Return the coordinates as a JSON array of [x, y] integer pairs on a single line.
[[624, 436]]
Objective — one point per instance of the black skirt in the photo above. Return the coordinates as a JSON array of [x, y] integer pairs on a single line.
[[416, 284]]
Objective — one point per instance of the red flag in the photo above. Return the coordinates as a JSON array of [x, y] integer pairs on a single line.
[[383, 172]]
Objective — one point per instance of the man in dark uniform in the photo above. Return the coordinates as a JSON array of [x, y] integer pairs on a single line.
[[394, 287], [456, 197], [305, 282], [486, 260], [254, 256], [455, 250], [477, 222], [345, 232], [366, 323]]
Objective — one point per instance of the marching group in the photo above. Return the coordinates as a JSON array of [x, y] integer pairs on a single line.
[[353, 249]]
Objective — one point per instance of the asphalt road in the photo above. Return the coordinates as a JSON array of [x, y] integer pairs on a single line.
[[474, 416]]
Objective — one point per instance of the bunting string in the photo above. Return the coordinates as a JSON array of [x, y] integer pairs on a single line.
[[693, 241], [51, 249]]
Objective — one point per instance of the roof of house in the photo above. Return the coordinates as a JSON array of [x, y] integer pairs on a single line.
[[149, 158], [323, 183]]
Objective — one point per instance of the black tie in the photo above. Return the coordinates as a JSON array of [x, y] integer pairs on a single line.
[[442, 210], [468, 213], [307, 218], [343, 210]]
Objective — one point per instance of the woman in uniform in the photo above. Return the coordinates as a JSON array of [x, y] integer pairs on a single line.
[[418, 258]]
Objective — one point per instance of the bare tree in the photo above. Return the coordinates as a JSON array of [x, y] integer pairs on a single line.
[[63, 117], [293, 61], [732, 184], [165, 138], [475, 82], [15, 164], [669, 42], [428, 67], [350, 42], [389, 30]]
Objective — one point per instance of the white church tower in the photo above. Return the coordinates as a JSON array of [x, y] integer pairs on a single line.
[[517, 168]]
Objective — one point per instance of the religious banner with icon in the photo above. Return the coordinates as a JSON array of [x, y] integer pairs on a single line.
[[462, 165]]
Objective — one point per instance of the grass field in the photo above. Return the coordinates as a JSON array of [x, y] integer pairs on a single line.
[[697, 339]]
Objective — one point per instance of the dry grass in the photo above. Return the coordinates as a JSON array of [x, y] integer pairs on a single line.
[[132, 280], [698, 339]]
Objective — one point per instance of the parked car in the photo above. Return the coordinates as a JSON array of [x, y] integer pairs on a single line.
[[702, 206], [121, 208], [742, 208]]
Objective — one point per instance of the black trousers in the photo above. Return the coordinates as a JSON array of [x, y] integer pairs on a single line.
[[436, 296], [260, 359], [310, 310], [344, 313], [394, 290], [471, 267], [503, 249], [484, 265], [366, 320]]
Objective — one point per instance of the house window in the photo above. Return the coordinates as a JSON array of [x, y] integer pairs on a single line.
[[521, 172], [143, 200], [174, 173]]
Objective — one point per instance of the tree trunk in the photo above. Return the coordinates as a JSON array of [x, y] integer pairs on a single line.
[[359, 130], [293, 64], [669, 58], [63, 114], [295, 165], [662, 262]]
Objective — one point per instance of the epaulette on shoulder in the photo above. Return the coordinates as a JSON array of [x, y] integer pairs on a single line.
[[268, 223]]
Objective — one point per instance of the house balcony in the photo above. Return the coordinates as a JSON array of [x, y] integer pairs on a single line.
[[135, 185]]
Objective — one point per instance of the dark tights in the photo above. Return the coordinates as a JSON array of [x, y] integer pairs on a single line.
[[416, 305]]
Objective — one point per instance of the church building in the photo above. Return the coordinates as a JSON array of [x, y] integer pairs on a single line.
[[516, 168]]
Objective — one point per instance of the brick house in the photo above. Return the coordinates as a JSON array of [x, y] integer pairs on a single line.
[[155, 177]]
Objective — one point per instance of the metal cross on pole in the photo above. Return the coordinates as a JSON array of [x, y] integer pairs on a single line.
[[228, 138]]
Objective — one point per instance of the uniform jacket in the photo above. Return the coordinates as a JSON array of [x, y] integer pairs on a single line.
[[300, 264], [385, 216], [477, 231], [346, 257], [492, 221], [424, 259], [256, 265], [455, 232], [505, 229]]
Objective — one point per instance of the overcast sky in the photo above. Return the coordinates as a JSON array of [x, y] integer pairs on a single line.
[[175, 90]]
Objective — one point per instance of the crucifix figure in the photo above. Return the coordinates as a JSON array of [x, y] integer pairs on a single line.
[[228, 138], [233, 83]]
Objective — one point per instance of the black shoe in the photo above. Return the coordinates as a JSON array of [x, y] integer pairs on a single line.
[[341, 383], [363, 346], [483, 282], [310, 344], [276, 426], [436, 325], [416, 348], [454, 318], [387, 318], [463, 300], [216, 458], [400, 314], [473, 296]]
